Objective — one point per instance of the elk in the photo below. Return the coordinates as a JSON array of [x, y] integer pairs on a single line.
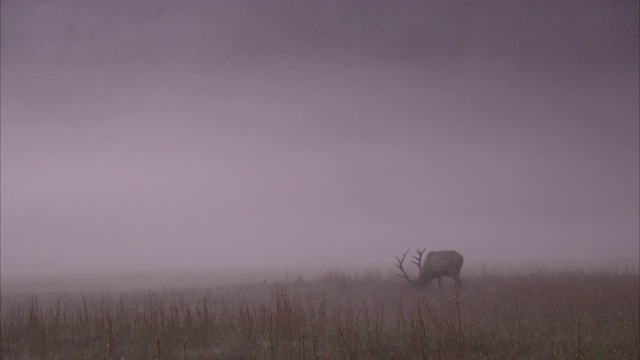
[[436, 265]]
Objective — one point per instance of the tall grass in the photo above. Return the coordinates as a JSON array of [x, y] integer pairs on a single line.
[[527, 315]]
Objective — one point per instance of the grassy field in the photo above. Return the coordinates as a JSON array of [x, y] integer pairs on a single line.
[[516, 315]]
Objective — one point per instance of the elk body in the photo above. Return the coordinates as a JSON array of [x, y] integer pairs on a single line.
[[436, 265]]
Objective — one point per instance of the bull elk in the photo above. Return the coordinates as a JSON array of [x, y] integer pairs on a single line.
[[436, 265]]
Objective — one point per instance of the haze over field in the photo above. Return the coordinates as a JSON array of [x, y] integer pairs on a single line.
[[230, 135]]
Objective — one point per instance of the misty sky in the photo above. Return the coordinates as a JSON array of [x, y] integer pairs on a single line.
[[207, 135]]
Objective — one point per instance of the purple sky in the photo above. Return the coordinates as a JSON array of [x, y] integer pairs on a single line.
[[203, 135]]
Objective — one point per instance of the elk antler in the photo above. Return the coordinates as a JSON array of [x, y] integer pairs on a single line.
[[418, 259], [399, 266]]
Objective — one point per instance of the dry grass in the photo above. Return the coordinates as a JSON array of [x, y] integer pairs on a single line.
[[528, 315]]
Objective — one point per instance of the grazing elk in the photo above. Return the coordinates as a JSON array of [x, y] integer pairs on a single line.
[[436, 265]]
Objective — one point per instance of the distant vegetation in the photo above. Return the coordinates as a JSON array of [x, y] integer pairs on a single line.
[[419, 31], [520, 315]]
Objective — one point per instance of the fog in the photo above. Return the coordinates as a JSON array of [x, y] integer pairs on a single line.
[[245, 135]]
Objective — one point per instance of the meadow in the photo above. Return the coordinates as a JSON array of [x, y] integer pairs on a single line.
[[533, 314]]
